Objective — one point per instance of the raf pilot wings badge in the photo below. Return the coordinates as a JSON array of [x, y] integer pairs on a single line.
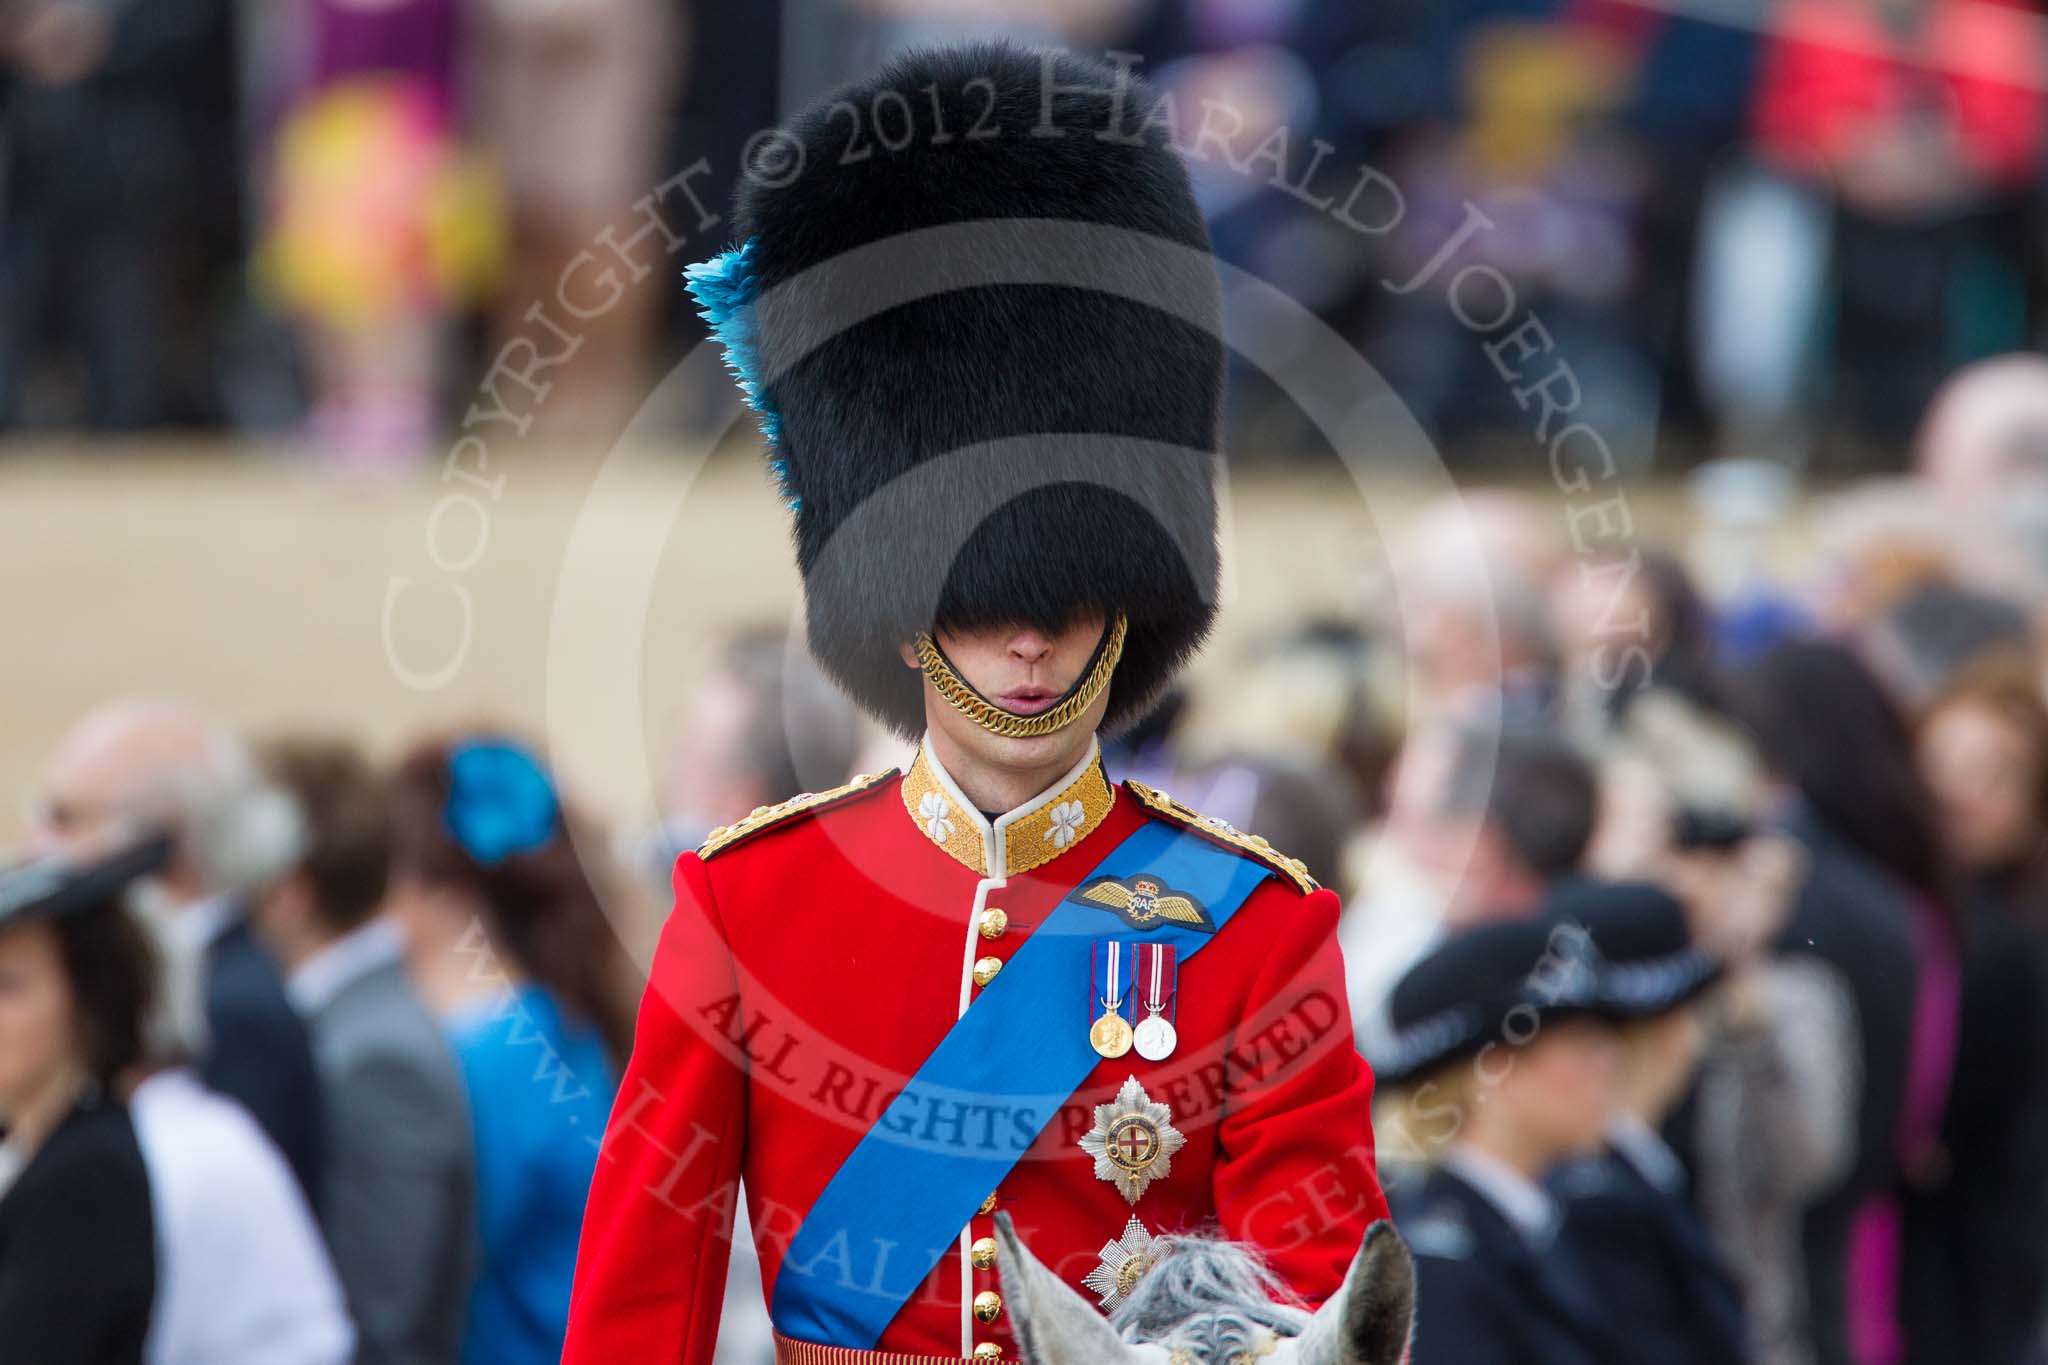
[[1143, 902]]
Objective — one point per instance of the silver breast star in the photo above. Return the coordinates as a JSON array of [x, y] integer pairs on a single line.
[[1133, 1141]]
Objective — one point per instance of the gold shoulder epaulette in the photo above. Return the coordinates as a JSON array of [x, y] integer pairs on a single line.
[[767, 817], [1221, 831]]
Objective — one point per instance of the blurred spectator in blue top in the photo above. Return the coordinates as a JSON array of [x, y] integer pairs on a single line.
[[536, 1148], [509, 944]]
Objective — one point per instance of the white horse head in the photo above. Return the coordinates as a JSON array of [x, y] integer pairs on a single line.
[[1209, 1302]]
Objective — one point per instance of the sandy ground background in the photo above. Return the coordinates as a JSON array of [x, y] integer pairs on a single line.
[[578, 603]]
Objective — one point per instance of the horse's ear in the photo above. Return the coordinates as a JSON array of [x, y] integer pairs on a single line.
[[1053, 1323], [1368, 1321]]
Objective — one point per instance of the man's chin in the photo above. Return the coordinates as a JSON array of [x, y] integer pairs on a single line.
[[1038, 748], [1035, 751]]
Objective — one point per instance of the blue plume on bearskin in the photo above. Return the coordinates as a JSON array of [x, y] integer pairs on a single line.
[[726, 286]]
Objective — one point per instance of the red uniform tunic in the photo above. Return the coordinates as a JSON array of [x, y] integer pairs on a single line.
[[819, 952]]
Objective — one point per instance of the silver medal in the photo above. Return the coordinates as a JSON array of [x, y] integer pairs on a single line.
[[1154, 1038]]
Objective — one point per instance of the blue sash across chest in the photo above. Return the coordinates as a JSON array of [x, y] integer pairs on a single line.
[[1000, 1075]]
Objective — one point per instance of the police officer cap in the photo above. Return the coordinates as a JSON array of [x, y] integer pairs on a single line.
[[1490, 984], [1640, 930]]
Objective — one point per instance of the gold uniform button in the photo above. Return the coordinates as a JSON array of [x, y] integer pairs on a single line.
[[988, 1205], [988, 1350], [985, 970], [993, 923], [988, 1306], [983, 1252]]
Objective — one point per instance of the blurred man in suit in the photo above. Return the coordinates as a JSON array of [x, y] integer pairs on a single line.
[[155, 763], [401, 1184], [1493, 817]]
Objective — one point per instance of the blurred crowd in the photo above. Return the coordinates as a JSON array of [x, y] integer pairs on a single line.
[[1792, 1112], [1768, 228], [366, 1025], [1787, 775]]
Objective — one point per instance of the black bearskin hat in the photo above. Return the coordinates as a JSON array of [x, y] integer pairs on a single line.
[[936, 307]]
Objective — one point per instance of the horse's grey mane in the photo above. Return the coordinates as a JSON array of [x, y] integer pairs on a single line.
[[1215, 1298]]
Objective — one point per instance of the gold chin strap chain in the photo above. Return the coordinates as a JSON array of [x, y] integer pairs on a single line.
[[994, 719]]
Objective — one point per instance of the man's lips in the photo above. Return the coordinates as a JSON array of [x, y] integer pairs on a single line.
[[1027, 701]]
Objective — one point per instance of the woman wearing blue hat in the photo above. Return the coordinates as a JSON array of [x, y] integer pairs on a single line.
[[509, 943]]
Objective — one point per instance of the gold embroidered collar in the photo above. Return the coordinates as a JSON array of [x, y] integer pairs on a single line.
[[1030, 836]]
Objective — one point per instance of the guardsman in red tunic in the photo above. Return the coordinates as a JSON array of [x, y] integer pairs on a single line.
[[974, 307]]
